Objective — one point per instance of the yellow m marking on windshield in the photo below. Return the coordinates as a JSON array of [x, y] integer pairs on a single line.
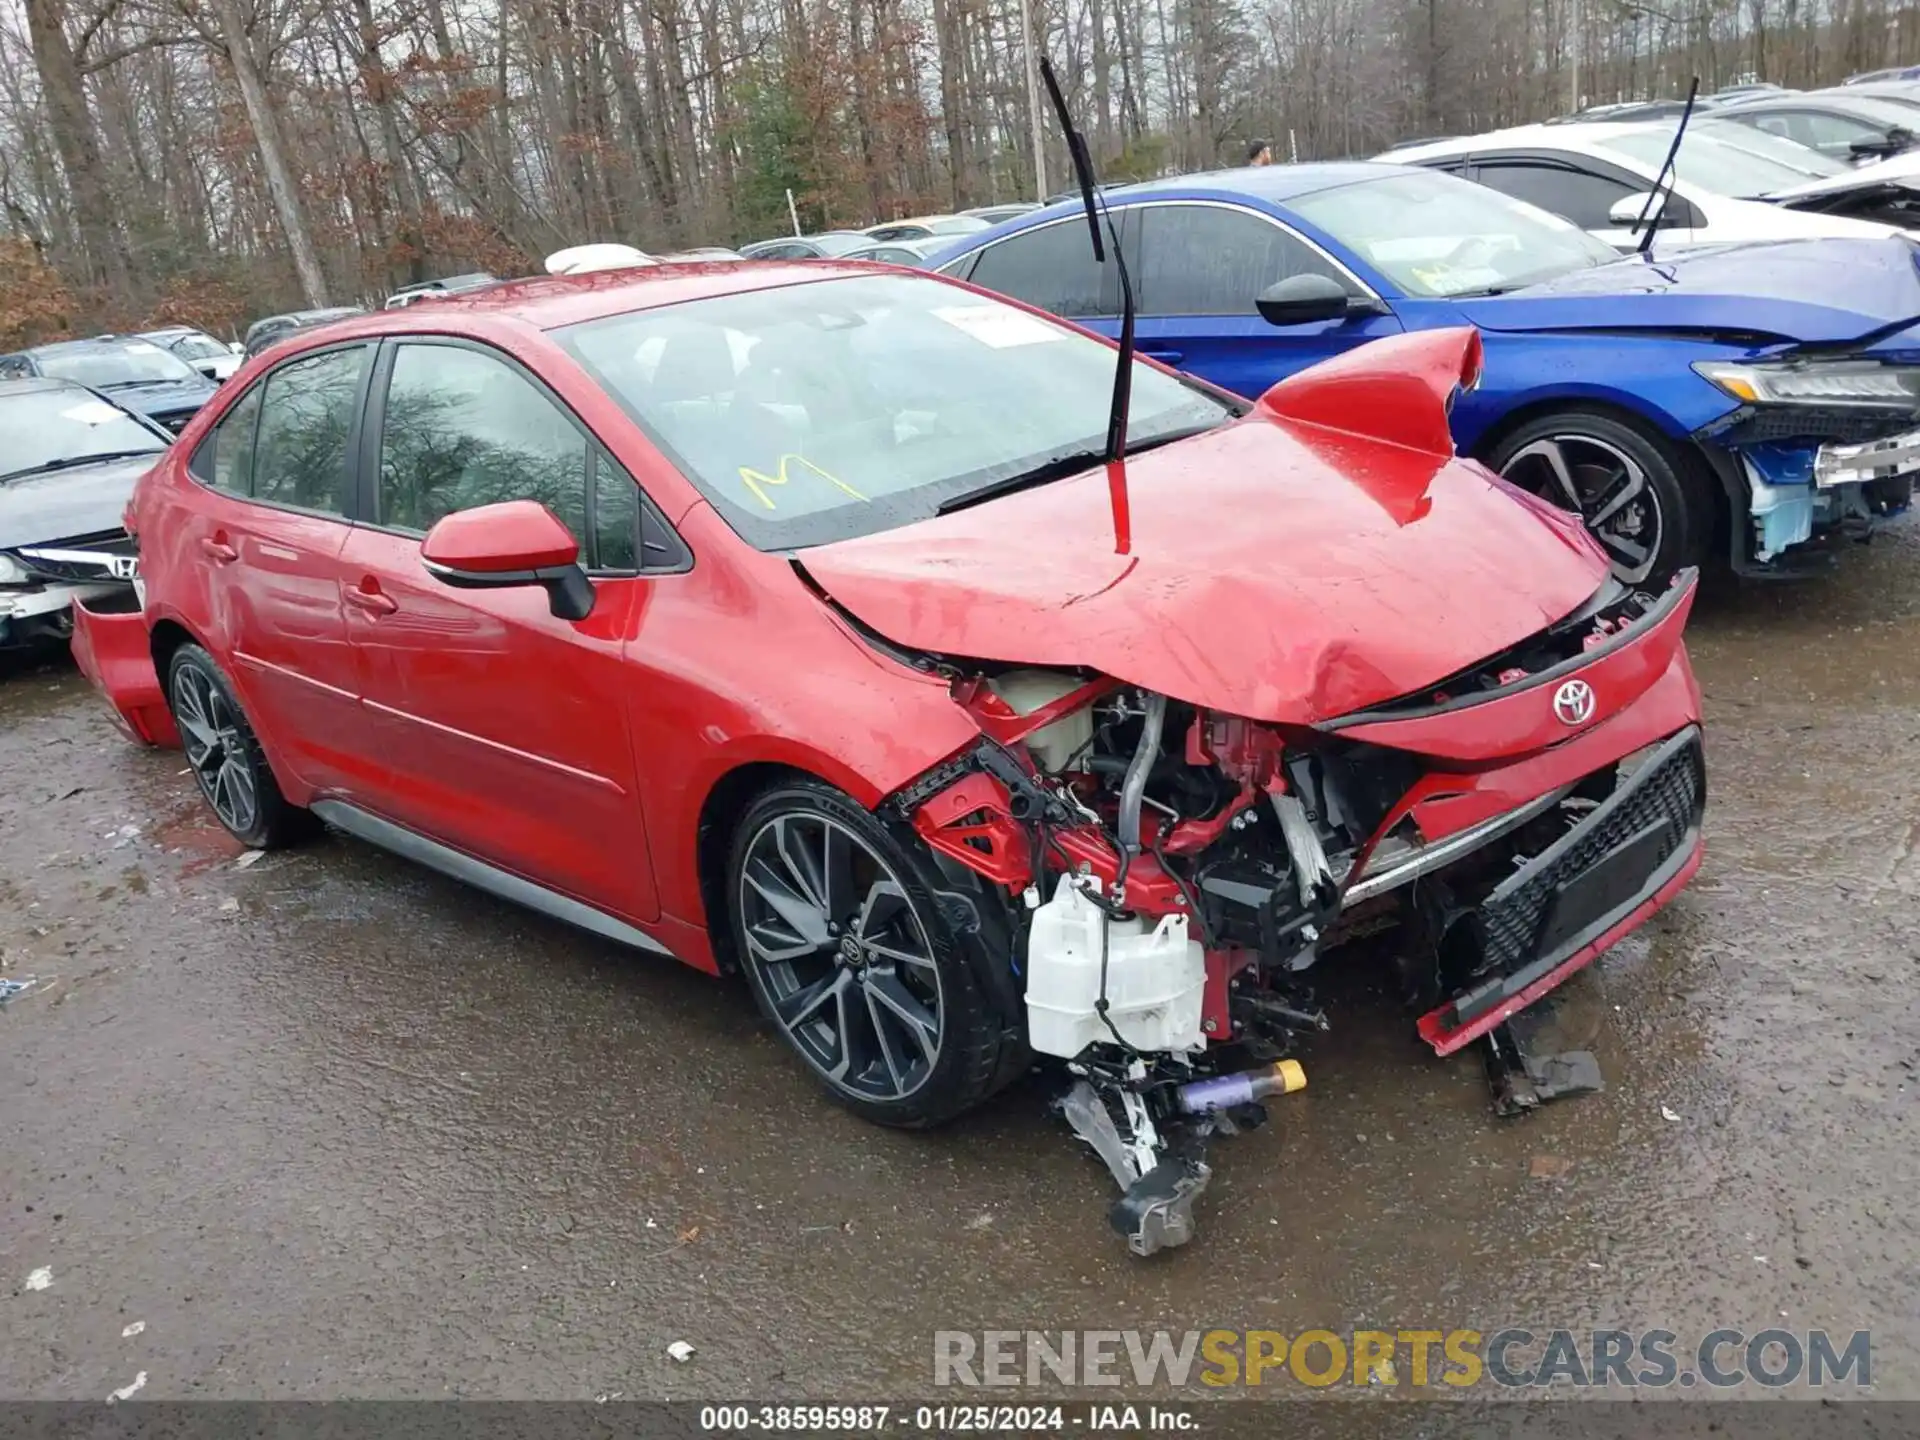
[[755, 480]]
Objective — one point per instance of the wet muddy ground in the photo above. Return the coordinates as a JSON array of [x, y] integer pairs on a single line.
[[330, 1125]]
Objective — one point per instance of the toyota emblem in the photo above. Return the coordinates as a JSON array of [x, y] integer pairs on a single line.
[[1573, 702]]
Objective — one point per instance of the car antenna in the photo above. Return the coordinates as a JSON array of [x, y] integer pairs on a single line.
[[1673, 151], [1097, 212]]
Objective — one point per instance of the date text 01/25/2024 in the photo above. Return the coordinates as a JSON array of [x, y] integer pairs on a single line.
[[815, 1419]]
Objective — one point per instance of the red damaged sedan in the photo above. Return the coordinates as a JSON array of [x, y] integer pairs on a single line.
[[785, 619]]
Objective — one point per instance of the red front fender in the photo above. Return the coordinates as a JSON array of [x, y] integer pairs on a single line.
[[112, 650], [1398, 389]]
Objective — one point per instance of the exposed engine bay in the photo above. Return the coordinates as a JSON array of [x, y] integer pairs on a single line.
[[1174, 875]]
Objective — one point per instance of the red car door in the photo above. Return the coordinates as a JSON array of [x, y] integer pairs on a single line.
[[500, 729], [262, 542]]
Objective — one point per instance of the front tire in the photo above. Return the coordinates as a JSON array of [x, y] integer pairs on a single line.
[[852, 955], [225, 755], [1640, 499]]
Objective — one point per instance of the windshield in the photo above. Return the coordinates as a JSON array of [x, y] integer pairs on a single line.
[[105, 366], [1725, 159], [820, 411], [839, 242], [39, 428], [1436, 235], [198, 347]]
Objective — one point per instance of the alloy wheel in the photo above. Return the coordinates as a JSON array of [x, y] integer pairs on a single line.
[[216, 748], [1602, 484], [842, 956]]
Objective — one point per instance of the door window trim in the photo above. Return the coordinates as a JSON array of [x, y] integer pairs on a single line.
[[1695, 216], [347, 514], [600, 456], [1361, 287]]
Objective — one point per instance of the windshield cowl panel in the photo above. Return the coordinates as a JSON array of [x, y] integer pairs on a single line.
[[825, 410]]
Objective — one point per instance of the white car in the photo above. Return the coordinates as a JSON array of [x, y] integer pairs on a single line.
[[212, 358], [1726, 186]]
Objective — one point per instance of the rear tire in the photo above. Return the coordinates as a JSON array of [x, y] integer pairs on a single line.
[[848, 940], [1638, 495], [225, 755]]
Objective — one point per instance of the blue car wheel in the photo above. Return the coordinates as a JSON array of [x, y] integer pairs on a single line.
[[1645, 505]]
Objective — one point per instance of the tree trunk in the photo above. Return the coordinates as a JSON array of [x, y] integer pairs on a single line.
[[79, 146], [266, 135], [380, 90]]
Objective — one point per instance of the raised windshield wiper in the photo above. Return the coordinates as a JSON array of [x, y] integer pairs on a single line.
[[1057, 468], [1098, 214], [70, 462], [1653, 195], [1074, 462]]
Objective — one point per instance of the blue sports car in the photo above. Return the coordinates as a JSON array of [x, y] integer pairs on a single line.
[[1753, 397]]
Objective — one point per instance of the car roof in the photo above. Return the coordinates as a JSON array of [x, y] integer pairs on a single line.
[[1837, 100], [1582, 137], [547, 302], [1278, 183], [37, 384], [92, 342]]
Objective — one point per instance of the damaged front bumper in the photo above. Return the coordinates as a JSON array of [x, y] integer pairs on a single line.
[[1791, 490], [36, 614], [1599, 881]]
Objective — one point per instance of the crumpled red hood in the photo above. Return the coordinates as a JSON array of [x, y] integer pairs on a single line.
[[1278, 571]]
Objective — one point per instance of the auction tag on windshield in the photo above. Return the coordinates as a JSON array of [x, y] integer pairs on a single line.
[[92, 412], [1000, 326]]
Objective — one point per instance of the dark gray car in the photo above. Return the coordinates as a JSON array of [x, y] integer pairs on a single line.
[[137, 374], [69, 459]]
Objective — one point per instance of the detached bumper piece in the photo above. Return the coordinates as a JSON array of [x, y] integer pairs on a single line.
[[1151, 1130], [1582, 893], [111, 647], [1522, 1081]]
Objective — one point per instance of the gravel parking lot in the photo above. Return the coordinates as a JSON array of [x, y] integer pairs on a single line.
[[329, 1125]]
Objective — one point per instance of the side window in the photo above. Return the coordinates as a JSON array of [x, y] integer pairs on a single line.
[[306, 417], [225, 458], [615, 532], [1051, 267], [1571, 194], [1831, 135], [463, 429], [1213, 260]]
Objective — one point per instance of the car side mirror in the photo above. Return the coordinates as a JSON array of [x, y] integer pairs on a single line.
[[514, 543], [1624, 213], [1879, 147], [1299, 299], [236, 347]]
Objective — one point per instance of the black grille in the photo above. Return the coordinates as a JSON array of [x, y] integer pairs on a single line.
[[1671, 787], [1840, 424]]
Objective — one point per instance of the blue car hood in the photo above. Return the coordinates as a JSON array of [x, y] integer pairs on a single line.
[[1806, 291], [163, 397]]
